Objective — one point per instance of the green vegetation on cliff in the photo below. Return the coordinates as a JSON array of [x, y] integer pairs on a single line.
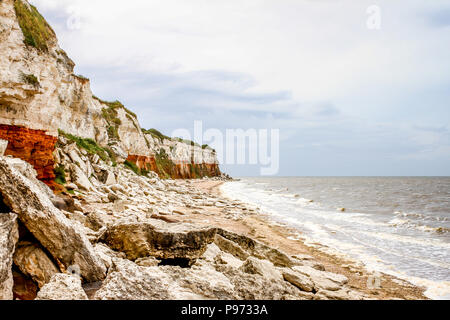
[[111, 116], [35, 29], [165, 166], [60, 173], [133, 167], [30, 79], [90, 146], [156, 134]]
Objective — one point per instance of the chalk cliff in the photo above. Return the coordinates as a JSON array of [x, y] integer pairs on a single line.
[[41, 98]]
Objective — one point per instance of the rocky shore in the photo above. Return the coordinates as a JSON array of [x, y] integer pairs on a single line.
[[90, 208], [127, 236]]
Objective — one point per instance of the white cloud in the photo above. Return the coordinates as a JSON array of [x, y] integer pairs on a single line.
[[313, 63]]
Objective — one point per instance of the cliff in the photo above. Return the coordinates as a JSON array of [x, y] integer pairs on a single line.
[[41, 97]]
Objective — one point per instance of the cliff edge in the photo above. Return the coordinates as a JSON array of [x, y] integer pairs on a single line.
[[41, 99]]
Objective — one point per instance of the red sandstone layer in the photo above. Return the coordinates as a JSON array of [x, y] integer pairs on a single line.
[[179, 170], [33, 146]]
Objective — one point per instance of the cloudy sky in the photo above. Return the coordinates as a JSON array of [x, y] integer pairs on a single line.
[[347, 99]]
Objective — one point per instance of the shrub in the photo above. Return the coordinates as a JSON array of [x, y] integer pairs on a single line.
[[30, 79], [35, 29], [165, 166], [132, 166], [60, 173], [91, 147]]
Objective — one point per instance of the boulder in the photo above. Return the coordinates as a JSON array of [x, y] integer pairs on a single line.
[[35, 263], [299, 280], [110, 178], [128, 281], [323, 280], [79, 178], [263, 268], [257, 249], [62, 238], [62, 287], [230, 247], [159, 239], [9, 235]]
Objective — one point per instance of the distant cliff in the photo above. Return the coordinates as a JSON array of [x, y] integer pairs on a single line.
[[41, 98]]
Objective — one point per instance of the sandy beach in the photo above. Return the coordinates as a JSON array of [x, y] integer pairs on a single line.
[[257, 225]]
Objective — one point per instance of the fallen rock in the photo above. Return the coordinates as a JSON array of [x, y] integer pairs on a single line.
[[258, 249], [299, 280], [230, 247], [108, 178], [50, 227], [35, 263], [334, 295], [159, 239], [9, 235], [323, 280], [147, 262], [263, 268], [79, 178], [128, 281], [62, 287]]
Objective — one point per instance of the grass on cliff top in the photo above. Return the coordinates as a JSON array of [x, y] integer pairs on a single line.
[[35, 29], [90, 146], [111, 116], [156, 134]]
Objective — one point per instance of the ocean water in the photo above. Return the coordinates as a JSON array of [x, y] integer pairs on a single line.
[[395, 225]]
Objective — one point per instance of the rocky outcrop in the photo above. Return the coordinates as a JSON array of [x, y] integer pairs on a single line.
[[62, 287], [40, 97], [181, 243], [9, 235], [49, 226]]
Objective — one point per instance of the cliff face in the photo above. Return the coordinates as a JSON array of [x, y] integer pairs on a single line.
[[40, 96]]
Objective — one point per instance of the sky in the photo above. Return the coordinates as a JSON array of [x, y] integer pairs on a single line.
[[355, 88]]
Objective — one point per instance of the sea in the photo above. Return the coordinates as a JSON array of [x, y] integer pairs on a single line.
[[395, 225]]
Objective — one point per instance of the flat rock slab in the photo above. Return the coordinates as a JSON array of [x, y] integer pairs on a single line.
[[159, 239]]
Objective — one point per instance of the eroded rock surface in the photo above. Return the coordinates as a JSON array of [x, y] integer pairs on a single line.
[[34, 262], [9, 235], [160, 240], [48, 224], [62, 287]]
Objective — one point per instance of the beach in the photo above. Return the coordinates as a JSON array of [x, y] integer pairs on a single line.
[[258, 226]]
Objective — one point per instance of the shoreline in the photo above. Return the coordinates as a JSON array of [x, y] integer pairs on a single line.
[[259, 226]]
